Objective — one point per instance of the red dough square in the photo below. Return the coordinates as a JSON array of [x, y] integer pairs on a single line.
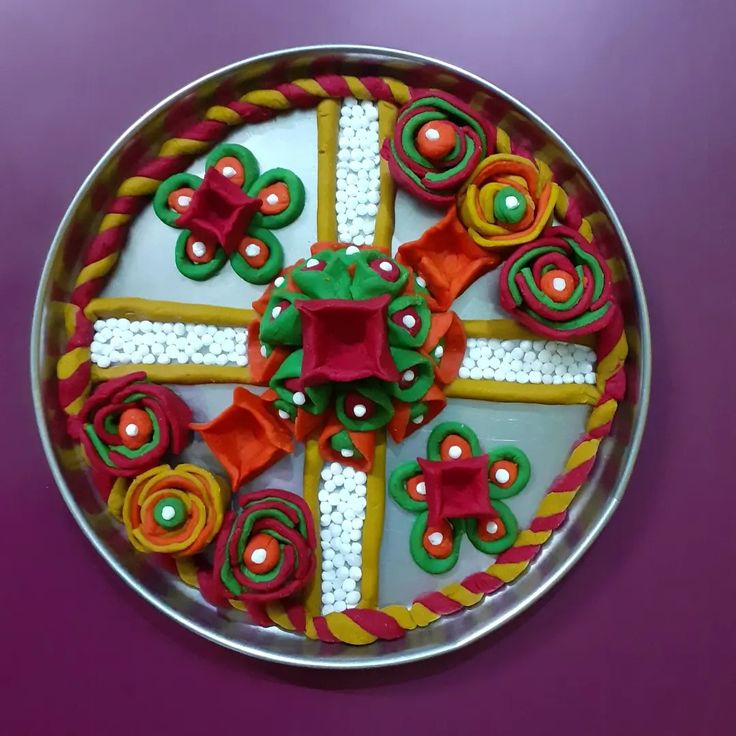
[[456, 489], [345, 340], [219, 210]]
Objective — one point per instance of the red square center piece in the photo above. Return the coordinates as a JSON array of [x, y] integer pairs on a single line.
[[345, 340], [219, 210], [456, 489]]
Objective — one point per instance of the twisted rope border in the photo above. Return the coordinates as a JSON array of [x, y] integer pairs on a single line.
[[357, 626]]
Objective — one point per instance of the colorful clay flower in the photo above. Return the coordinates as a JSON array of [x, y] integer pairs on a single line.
[[230, 215], [265, 549], [507, 201], [174, 510], [128, 425], [357, 346], [437, 143], [459, 490], [559, 286]]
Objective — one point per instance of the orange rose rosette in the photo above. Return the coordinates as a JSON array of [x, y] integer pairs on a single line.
[[174, 511], [507, 201]]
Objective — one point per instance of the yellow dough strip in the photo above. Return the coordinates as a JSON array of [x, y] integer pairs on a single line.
[[373, 526], [187, 374], [507, 329], [384, 231], [523, 393], [313, 464], [162, 311], [328, 119]]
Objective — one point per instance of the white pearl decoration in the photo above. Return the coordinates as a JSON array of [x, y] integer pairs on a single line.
[[342, 508], [523, 361], [144, 342], [358, 172]]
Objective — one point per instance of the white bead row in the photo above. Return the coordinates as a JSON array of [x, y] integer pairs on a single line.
[[145, 342], [342, 504], [358, 172], [527, 361]]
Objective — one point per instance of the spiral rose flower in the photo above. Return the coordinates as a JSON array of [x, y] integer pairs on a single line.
[[128, 425], [507, 201], [558, 286], [174, 510], [265, 549], [437, 142]]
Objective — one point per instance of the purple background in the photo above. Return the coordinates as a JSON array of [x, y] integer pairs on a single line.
[[639, 637]]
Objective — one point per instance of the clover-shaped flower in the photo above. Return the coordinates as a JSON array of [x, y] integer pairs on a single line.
[[230, 215], [459, 489]]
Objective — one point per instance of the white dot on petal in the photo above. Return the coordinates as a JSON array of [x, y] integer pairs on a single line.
[[491, 527], [272, 199], [312, 262], [252, 250], [279, 281], [558, 284], [408, 321], [455, 452], [275, 312], [199, 248], [183, 200], [435, 538], [229, 172], [419, 419], [408, 375], [258, 556], [385, 266], [421, 282], [299, 398], [283, 414], [512, 202], [347, 452], [431, 134], [359, 410], [421, 488], [502, 475], [351, 250], [131, 430]]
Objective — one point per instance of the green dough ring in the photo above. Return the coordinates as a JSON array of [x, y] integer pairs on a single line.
[[446, 428], [522, 461], [244, 155], [397, 487], [197, 271], [296, 198], [434, 565], [270, 269], [497, 545], [160, 199]]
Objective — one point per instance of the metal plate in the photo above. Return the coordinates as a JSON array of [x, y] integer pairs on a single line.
[[591, 509]]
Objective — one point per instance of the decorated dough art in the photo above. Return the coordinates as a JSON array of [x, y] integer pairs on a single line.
[[357, 366]]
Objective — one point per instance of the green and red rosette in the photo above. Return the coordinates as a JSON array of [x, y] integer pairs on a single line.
[[437, 143], [265, 549], [558, 286], [129, 425]]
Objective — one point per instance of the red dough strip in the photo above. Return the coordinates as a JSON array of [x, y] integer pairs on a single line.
[[439, 603], [482, 582], [323, 630], [375, 622]]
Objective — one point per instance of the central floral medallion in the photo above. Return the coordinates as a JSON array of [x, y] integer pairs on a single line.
[[348, 344]]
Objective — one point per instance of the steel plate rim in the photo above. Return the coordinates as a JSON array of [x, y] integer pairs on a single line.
[[373, 661]]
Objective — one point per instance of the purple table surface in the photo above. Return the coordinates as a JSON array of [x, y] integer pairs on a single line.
[[639, 637]]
